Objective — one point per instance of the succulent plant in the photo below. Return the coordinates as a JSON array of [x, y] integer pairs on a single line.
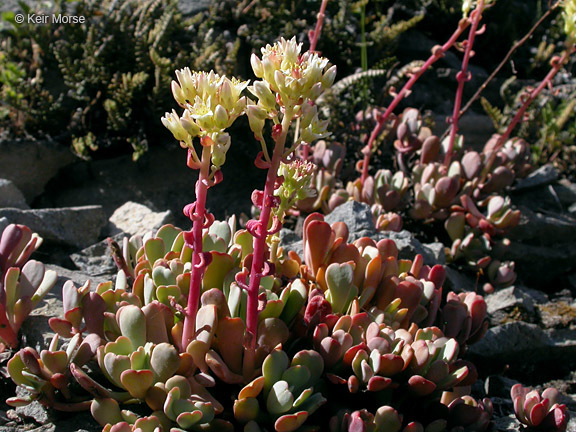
[[284, 395], [539, 411], [23, 283]]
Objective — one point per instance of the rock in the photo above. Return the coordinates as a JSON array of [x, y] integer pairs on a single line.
[[544, 175], [409, 246], [96, 260], [437, 250], [357, 216], [526, 348], [514, 303], [544, 229], [538, 265], [4, 222], [498, 386], [137, 219], [507, 424], [558, 197], [558, 314], [74, 226], [458, 281], [31, 164], [10, 195], [291, 241]]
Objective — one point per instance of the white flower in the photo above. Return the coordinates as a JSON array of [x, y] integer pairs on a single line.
[[294, 76]]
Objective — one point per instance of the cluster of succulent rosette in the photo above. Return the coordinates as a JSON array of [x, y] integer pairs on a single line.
[[221, 329], [437, 180]]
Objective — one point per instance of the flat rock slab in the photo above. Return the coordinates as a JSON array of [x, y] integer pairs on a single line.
[[10, 195], [96, 260], [31, 164], [75, 226], [525, 348], [137, 219], [513, 303]]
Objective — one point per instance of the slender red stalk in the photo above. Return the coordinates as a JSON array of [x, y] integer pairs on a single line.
[[197, 258], [262, 230], [557, 63], [462, 77], [318, 29], [504, 61], [437, 53]]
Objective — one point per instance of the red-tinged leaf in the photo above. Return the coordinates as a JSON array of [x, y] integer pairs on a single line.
[[61, 326], [421, 386], [290, 422], [537, 414], [377, 383], [353, 384], [318, 243], [335, 379], [137, 382], [390, 365], [351, 353], [317, 309]]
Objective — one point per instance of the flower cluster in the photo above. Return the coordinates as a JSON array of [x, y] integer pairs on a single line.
[[211, 104], [292, 82]]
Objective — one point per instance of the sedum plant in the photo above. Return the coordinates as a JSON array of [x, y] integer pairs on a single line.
[[23, 282], [539, 411], [220, 329]]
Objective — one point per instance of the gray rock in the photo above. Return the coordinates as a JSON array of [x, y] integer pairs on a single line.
[[31, 164], [409, 246], [458, 281], [437, 250], [537, 265], [541, 229], [498, 386], [555, 197], [4, 222], [74, 226], [96, 260], [544, 175], [558, 314], [137, 219], [514, 303], [357, 216], [512, 342], [507, 424], [10, 195], [291, 241], [524, 346]]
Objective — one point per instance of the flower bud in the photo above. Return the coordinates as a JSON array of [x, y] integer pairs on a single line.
[[256, 116], [257, 67], [220, 117], [329, 77], [178, 93], [172, 122], [188, 123], [309, 112], [265, 97]]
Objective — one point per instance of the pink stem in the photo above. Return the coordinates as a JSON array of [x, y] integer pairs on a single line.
[[197, 268], [438, 52], [318, 28], [462, 77], [262, 230], [557, 64]]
